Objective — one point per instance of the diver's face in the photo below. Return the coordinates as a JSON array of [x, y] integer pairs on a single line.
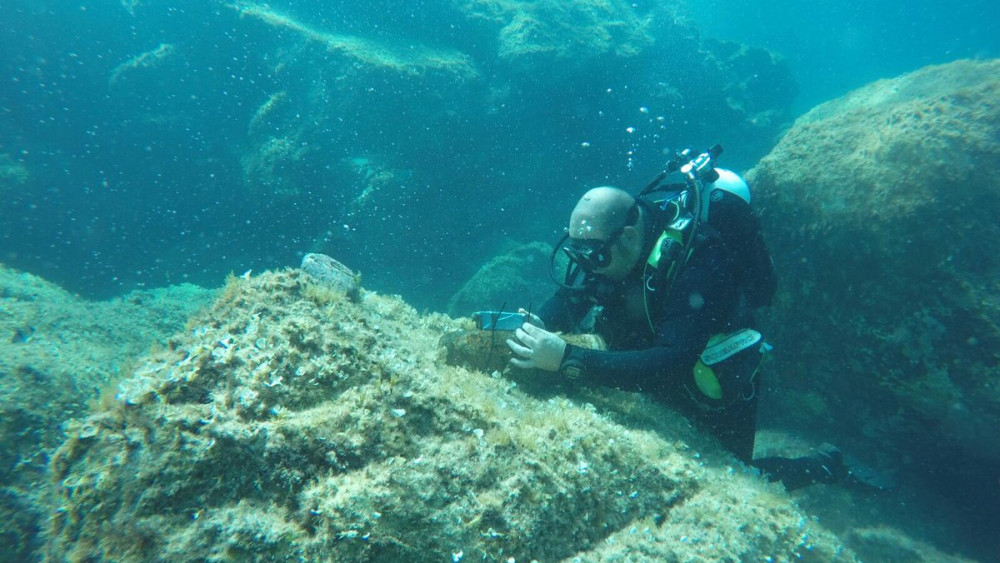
[[592, 254], [608, 256], [602, 241]]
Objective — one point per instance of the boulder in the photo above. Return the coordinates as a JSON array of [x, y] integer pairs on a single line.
[[881, 209], [512, 280], [57, 352]]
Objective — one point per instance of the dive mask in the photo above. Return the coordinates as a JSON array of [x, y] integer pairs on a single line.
[[594, 254], [591, 254]]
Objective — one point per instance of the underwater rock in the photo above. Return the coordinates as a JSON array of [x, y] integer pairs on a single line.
[[342, 91], [378, 186], [517, 278], [294, 424], [881, 212], [332, 274], [381, 54], [270, 167], [485, 350], [392, 142], [881, 543], [574, 33], [57, 351], [144, 60]]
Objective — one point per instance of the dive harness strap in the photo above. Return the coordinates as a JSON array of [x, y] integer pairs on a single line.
[[669, 255]]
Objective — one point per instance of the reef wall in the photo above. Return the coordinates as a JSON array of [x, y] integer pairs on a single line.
[[530, 104], [880, 209]]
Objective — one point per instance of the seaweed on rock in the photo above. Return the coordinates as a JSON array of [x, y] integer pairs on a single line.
[[284, 426], [56, 351]]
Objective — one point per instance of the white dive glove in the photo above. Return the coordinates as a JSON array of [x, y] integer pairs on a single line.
[[536, 348]]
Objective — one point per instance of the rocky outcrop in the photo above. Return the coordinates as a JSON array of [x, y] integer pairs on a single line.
[[576, 33], [880, 209], [292, 422], [407, 140], [518, 278], [57, 352]]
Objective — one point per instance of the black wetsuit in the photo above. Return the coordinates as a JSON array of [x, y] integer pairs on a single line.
[[656, 335]]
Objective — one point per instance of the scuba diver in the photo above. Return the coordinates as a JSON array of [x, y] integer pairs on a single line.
[[669, 279]]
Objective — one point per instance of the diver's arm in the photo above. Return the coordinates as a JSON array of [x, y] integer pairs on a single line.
[[652, 370], [565, 309]]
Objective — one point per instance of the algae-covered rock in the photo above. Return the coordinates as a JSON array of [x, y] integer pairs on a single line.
[[572, 32], [56, 352], [881, 543], [353, 88], [13, 174], [363, 51], [517, 278], [294, 424], [881, 212]]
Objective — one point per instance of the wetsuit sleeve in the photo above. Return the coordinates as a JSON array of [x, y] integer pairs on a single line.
[[702, 300], [564, 310]]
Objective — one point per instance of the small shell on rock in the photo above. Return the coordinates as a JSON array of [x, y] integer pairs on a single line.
[[331, 273]]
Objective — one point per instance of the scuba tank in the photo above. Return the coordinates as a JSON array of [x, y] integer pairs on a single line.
[[691, 206]]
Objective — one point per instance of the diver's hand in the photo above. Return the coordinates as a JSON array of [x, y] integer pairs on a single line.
[[532, 318], [537, 348]]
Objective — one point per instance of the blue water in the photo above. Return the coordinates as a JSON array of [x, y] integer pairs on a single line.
[[837, 46], [138, 183], [150, 173]]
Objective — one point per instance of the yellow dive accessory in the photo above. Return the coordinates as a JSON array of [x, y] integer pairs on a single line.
[[720, 348]]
